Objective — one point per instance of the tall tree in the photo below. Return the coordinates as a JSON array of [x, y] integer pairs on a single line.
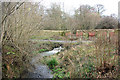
[[86, 17], [100, 8], [54, 17]]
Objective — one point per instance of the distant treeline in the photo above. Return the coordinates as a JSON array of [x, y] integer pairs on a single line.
[[84, 18]]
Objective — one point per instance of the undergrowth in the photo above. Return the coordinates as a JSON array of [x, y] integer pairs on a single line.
[[93, 60], [58, 72]]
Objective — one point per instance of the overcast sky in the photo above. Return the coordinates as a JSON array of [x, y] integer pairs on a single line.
[[111, 6]]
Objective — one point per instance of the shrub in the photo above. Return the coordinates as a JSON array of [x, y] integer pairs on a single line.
[[52, 63]]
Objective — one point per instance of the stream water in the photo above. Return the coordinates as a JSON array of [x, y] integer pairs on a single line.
[[54, 51], [39, 70]]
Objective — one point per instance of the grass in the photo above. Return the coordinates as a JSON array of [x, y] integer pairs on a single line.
[[39, 51], [86, 60], [82, 61], [53, 35], [42, 50], [49, 35]]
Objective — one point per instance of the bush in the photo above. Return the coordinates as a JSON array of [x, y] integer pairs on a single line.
[[52, 63]]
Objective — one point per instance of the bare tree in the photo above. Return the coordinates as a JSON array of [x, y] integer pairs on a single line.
[[54, 17], [100, 8], [86, 17], [20, 21], [7, 9], [107, 22]]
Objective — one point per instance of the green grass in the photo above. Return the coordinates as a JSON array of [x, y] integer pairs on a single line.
[[42, 50]]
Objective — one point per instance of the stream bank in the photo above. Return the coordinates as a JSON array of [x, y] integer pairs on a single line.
[[39, 70]]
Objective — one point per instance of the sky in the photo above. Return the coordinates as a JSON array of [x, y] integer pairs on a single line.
[[111, 6]]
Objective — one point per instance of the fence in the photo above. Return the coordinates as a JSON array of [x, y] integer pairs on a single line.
[[93, 34]]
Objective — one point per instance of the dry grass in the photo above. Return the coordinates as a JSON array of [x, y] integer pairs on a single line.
[[47, 34], [93, 60]]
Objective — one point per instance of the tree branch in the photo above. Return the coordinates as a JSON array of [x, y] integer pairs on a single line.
[[12, 10]]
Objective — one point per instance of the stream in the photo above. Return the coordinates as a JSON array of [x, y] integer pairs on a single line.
[[39, 70], [42, 71]]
